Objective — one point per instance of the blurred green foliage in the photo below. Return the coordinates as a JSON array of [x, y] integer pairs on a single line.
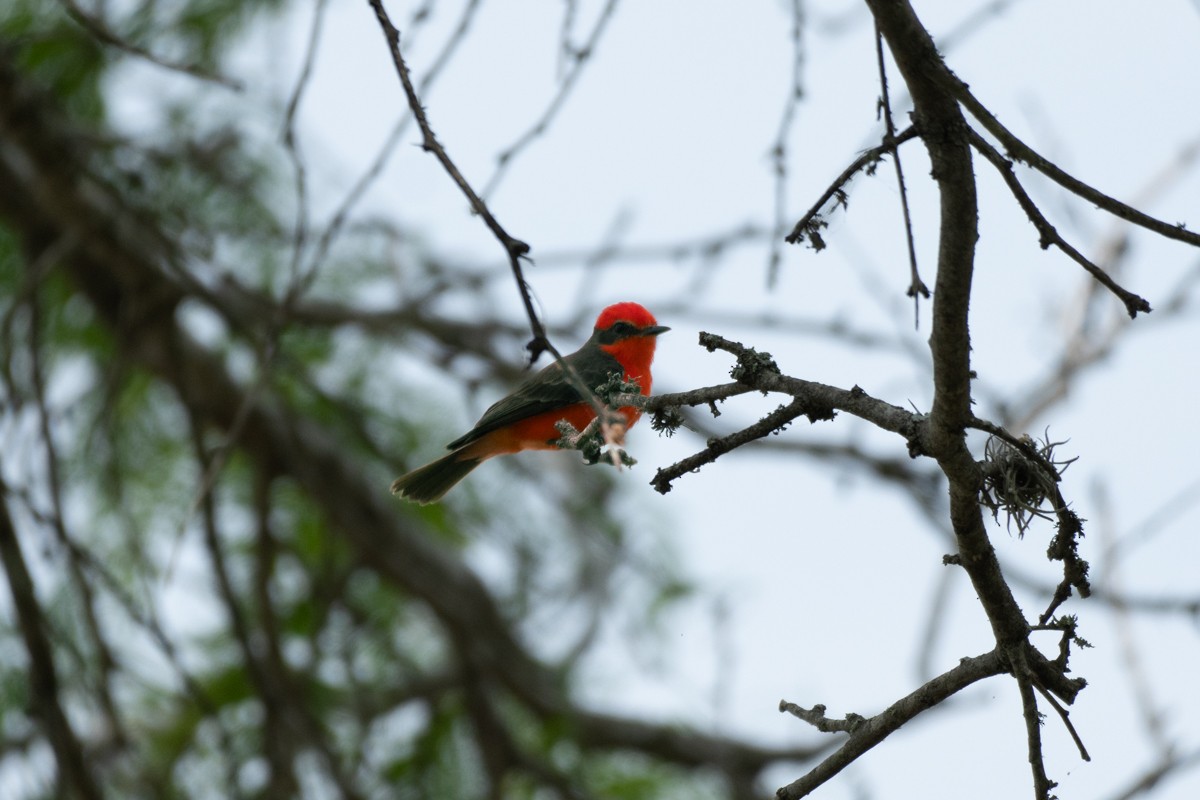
[[181, 686]]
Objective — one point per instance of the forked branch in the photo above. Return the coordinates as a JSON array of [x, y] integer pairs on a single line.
[[1026, 154], [1048, 233]]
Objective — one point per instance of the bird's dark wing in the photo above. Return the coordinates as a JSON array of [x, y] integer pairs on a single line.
[[545, 391]]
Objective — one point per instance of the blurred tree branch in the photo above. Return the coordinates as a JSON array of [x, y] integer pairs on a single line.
[[116, 260], [75, 779]]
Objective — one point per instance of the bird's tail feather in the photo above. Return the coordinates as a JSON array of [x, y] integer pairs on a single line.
[[429, 483]]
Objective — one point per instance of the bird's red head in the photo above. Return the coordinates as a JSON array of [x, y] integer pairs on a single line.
[[627, 331], [634, 313]]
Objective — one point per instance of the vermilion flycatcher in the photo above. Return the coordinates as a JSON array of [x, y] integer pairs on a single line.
[[622, 341]]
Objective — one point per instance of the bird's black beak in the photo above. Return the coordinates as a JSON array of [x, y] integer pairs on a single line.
[[655, 330]]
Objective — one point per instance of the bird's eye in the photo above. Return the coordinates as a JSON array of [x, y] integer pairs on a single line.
[[623, 328]]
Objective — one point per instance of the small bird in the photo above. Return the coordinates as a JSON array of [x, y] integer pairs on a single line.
[[623, 341]]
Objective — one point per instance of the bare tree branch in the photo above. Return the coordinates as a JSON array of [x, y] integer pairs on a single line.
[[580, 58], [916, 287], [74, 774], [779, 150], [809, 225], [515, 248], [774, 422], [100, 30], [338, 220], [868, 732], [1049, 234], [1026, 154]]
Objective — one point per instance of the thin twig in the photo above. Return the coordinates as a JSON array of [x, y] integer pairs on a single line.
[[665, 253], [310, 58], [300, 281], [1065, 716], [375, 168], [1033, 732], [695, 397], [806, 227], [771, 423], [1175, 764], [916, 287], [565, 48], [97, 28], [1026, 154], [513, 247], [779, 151], [1142, 684], [44, 690], [815, 716], [581, 56], [1048, 234], [103, 657], [874, 730]]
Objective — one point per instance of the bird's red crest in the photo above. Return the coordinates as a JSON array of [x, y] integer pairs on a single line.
[[634, 313]]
